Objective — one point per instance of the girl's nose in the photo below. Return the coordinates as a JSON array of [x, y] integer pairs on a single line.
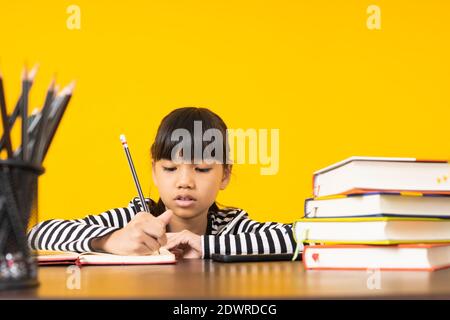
[[185, 180]]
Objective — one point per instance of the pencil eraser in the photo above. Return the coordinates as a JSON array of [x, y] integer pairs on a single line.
[[123, 139]]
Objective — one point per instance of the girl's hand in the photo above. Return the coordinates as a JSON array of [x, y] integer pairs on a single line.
[[143, 235], [177, 252], [187, 241]]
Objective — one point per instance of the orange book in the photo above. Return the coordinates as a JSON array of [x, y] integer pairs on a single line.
[[413, 257]]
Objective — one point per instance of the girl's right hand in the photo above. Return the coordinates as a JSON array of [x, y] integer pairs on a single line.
[[143, 235]]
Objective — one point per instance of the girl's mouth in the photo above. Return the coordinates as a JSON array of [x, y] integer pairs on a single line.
[[184, 201]]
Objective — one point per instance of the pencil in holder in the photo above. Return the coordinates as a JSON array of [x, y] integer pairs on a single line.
[[18, 211], [19, 173]]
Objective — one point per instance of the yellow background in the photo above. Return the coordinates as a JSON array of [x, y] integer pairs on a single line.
[[313, 69]]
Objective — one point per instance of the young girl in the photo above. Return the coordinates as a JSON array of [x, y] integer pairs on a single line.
[[186, 219]]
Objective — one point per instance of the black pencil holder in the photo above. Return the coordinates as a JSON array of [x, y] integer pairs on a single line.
[[18, 210]]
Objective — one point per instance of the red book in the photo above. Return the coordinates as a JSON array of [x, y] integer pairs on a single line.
[[414, 257]]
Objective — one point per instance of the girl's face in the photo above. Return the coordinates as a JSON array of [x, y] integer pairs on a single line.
[[189, 189]]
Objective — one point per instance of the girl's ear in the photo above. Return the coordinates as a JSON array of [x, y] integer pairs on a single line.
[[226, 177], [154, 173]]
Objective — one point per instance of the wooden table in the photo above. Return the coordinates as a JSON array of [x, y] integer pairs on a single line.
[[204, 279]]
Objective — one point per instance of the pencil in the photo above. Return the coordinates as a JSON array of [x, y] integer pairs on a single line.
[[44, 118], [6, 129], [26, 86], [24, 113], [56, 113], [33, 122], [37, 132], [13, 117], [11, 120], [133, 173]]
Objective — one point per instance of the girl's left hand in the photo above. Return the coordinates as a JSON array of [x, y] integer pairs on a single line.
[[187, 241]]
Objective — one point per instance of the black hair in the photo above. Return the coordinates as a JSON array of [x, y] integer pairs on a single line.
[[185, 118]]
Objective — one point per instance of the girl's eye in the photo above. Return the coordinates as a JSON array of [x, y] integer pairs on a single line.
[[170, 169], [203, 169]]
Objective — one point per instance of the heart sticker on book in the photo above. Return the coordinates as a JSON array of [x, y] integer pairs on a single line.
[[315, 257]]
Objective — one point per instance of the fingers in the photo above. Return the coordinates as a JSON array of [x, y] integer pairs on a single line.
[[171, 244], [143, 243], [165, 217], [156, 227], [177, 252], [151, 231], [140, 249], [151, 244], [171, 234], [151, 226], [162, 240], [175, 242], [177, 239], [187, 241]]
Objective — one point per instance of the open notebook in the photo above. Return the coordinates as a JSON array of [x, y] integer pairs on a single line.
[[96, 258]]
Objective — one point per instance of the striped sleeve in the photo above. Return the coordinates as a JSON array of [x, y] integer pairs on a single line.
[[76, 235], [251, 237]]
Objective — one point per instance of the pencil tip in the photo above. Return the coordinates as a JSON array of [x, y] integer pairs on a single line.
[[33, 72], [67, 90], [52, 84], [71, 86]]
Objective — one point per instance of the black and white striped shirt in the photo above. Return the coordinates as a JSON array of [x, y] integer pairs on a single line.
[[245, 236]]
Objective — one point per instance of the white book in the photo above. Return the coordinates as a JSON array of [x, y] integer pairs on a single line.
[[426, 257], [368, 174], [384, 230], [379, 204]]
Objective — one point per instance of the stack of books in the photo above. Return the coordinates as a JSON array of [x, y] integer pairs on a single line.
[[378, 213]]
